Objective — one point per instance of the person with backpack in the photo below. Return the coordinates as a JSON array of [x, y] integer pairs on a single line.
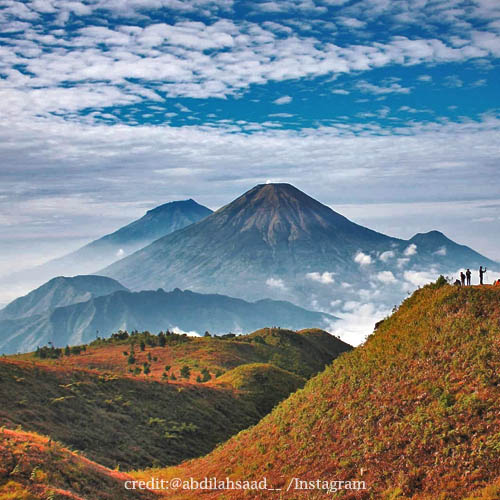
[[468, 274], [462, 278]]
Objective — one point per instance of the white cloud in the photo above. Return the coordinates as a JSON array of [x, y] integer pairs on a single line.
[[179, 331], [362, 259], [326, 277], [419, 278], [356, 321], [410, 250], [441, 251], [286, 99], [402, 262], [276, 283], [387, 255], [390, 88], [386, 277], [351, 22], [207, 59]]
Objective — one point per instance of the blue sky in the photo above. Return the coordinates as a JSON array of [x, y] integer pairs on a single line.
[[386, 110]]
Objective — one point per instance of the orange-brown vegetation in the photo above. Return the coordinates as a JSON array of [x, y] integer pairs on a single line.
[[414, 412], [35, 467], [93, 403]]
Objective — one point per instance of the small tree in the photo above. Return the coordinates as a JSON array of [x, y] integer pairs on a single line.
[[146, 368], [67, 351], [185, 371], [161, 339], [207, 334], [173, 377], [142, 345], [206, 375], [198, 379], [167, 368], [131, 359]]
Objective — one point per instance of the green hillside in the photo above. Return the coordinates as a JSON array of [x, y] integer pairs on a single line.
[[178, 398]]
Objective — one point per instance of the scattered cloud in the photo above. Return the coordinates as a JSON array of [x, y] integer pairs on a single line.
[[441, 251], [357, 321], [179, 331], [425, 78], [326, 277], [386, 277], [286, 99], [276, 283], [410, 250], [362, 259], [351, 22], [387, 255], [419, 278], [390, 88], [453, 82]]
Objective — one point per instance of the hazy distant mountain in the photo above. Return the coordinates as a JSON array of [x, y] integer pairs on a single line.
[[154, 311], [435, 246], [156, 223], [61, 291], [276, 241]]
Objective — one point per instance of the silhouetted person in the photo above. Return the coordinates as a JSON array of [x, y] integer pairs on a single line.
[[462, 278], [457, 283], [468, 275], [481, 274]]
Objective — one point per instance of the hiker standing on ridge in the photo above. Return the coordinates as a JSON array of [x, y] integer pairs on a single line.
[[481, 274], [462, 278], [468, 274]]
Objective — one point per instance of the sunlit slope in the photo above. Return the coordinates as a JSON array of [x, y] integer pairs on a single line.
[[142, 400], [35, 467], [305, 353], [414, 412]]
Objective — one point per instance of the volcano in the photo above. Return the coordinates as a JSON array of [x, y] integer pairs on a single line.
[[269, 237]]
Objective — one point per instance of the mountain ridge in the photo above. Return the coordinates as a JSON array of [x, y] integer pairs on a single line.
[[153, 310], [58, 292], [276, 241]]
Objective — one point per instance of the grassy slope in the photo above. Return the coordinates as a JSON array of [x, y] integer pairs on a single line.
[[92, 403], [305, 353], [35, 467], [415, 412], [262, 383]]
